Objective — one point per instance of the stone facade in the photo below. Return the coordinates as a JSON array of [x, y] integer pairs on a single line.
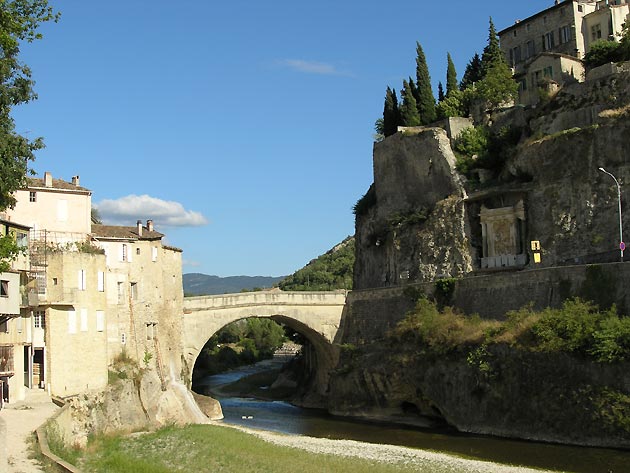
[[549, 45], [97, 293]]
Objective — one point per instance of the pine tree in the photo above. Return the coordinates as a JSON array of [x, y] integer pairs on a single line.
[[426, 99], [414, 89], [391, 114], [409, 115], [472, 73], [492, 54], [451, 76], [441, 95]]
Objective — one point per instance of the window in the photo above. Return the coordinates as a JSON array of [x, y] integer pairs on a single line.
[[72, 321], [121, 293], [515, 34], [32, 196], [529, 26], [548, 71], [4, 326], [100, 284], [580, 8], [82, 280], [531, 49], [151, 330], [548, 42], [123, 338], [39, 319], [564, 34], [596, 32], [515, 55], [84, 320], [21, 239], [55, 281], [523, 84], [123, 256], [154, 254], [100, 321], [62, 210], [134, 291], [4, 288], [137, 251]]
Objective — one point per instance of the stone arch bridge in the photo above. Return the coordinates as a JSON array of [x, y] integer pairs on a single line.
[[316, 315]]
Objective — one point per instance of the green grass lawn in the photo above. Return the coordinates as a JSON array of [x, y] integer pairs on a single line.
[[202, 448]]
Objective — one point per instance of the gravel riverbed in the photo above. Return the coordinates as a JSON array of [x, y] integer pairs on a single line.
[[421, 460]]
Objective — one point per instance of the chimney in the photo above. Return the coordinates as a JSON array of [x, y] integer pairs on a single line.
[[139, 224], [75, 180], [47, 179], [150, 225]]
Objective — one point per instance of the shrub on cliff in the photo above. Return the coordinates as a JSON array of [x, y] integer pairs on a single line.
[[578, 328]]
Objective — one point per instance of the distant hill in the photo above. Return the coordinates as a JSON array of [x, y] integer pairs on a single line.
[[196, 284]]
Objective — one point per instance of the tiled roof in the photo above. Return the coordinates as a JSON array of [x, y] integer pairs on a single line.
[[112, 231], [56, 184]]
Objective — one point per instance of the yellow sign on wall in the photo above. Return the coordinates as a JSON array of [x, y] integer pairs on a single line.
[[535, 245]]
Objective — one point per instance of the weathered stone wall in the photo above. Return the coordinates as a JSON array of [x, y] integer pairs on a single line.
[[536, 396], [371, 313]]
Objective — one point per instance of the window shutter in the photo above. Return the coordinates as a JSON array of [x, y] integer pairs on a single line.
[[72, 321], [101, 281], [100, 321]]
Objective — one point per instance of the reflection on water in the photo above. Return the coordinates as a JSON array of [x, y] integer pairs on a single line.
[[283, 417]]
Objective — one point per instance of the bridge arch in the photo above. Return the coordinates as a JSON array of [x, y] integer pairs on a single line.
[[316, 315]]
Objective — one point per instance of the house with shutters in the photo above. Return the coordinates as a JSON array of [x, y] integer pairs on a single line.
[[90, 292], [546, 49]]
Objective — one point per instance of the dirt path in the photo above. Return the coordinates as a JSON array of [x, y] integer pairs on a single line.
[[17, 421]]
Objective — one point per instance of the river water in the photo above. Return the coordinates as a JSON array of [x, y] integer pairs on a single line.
[[283, 417]]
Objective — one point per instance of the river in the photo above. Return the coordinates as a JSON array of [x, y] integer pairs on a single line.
[[283, 417]]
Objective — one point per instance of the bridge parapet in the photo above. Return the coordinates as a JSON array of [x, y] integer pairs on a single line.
[[264, 298]]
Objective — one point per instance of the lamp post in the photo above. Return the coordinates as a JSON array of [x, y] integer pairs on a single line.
[[622, 245]]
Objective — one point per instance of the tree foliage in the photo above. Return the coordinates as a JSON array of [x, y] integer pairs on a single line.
[[498, 86], [19, 23], [451, 76], [441, 95], [409, 115], [424, 98], [472, 74], [391, 113], [9, 251], [332, 270], [492, 54]]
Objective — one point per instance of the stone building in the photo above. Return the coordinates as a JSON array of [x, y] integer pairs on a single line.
[[92, 293], [546, 49]]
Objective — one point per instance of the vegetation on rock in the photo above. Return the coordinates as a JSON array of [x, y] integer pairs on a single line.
[[579, 328], [330, 271]]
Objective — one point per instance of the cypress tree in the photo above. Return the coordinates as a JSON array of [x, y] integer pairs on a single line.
[[472, 73], [408, 110], [451, 76], [391, 114], [441, 95], [426, 99], [492, 54]]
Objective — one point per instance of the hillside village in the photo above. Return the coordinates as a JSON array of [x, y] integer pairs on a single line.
[[538, 227], [82, 294]]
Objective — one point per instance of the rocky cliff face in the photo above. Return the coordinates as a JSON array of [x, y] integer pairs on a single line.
[[536, 396], [417, 228], [422, 221], [138, 403]]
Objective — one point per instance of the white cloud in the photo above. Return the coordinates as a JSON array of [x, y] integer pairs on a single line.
[[127, 210], [312, 67], [190, 263]]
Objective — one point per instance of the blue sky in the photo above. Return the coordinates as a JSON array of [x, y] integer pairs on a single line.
[[244, 128]]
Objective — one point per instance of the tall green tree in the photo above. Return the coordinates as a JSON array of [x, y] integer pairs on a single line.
[[409, 115], [451, 76], [441, 95], [19, 23], [492, 54], [424, 98], [472, 74], [391, 114]]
